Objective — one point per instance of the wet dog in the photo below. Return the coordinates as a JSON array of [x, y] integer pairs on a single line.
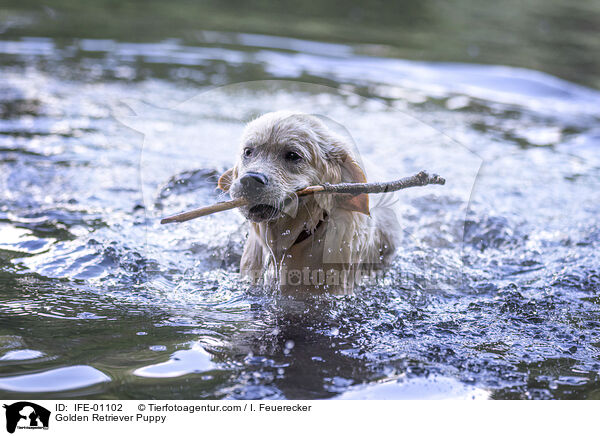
[[321, 243]]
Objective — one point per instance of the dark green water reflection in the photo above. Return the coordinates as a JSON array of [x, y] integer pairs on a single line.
[[554, 36]]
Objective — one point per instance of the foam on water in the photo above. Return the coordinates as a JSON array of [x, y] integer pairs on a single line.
[[493, 290]]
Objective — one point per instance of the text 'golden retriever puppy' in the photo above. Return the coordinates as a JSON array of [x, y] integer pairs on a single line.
[[321, 243]]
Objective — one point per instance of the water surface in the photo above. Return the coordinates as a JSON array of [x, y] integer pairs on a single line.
[[494, 291]]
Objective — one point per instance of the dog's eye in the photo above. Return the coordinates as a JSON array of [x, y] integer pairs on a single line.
[[248, 152], [292, 156]]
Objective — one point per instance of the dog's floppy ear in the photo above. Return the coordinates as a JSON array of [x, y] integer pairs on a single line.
[[226, 178], [352, 172]]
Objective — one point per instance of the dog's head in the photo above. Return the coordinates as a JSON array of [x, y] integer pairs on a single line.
[[282, 152]]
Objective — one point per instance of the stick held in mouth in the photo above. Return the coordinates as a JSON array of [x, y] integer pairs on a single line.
[[420, 179]]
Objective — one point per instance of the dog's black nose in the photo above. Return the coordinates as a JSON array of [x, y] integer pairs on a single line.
[[253, 180]]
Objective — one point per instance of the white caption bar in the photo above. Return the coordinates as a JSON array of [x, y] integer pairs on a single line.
[[77, 417]]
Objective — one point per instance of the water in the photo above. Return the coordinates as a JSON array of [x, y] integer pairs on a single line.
[[494, 291]]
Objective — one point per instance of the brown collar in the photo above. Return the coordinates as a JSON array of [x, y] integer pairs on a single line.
[[305, 233]]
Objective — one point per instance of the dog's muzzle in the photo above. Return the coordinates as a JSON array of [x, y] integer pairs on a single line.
[[254, 187], [253, 183], [263, 212]]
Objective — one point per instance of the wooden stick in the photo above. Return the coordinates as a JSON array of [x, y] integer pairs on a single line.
[[420, 179]]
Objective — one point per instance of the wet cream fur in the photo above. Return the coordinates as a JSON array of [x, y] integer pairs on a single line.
[[349, 239]]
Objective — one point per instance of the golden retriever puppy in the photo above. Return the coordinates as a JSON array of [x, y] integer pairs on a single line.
[[320, 243]]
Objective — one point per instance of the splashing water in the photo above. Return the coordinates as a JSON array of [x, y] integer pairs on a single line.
[[493, 291]]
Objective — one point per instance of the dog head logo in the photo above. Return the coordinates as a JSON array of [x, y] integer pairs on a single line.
[[26, 415]]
